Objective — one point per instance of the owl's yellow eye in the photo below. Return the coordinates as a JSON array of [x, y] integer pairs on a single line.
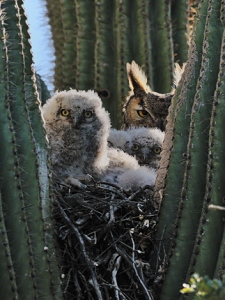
[[88, 114], [65, 112], [157, 150], [135, 147], [142, 113]]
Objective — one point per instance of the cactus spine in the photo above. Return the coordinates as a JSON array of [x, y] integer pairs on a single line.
[[28, 253]]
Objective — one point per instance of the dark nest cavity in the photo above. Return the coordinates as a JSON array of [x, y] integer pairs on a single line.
[[106, 239]]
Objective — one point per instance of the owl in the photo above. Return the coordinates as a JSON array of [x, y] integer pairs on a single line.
[[145, 145], [144, 107], [125, 171], [77, 128], [118, 138]]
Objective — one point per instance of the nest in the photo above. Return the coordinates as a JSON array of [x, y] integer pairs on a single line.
[[106, 239]]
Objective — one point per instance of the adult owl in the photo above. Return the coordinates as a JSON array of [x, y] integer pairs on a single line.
[[144, 107], [77, 128], [145, 145]]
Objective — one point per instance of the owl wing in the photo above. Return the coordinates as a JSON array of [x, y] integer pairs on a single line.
[[125, 171]]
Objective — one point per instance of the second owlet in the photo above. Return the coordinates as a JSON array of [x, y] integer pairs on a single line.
[[144, 107], [145, 145]]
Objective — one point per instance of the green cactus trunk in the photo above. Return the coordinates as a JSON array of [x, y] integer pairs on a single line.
[[191, 232], [28, 255], [92, 49]]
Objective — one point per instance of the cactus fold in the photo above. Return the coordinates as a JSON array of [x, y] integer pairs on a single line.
[[31, 269]]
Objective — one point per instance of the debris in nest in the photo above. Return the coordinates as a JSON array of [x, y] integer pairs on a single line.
[[106, 239]]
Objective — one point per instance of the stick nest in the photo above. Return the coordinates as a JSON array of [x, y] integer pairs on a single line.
[[106, 238]]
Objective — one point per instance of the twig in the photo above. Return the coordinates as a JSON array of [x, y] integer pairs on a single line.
[[68, 280], [78, 288], [111, 184], [114, 272], [148, 296], [159, 250], [84, 253], [147, 187], [116, 190]]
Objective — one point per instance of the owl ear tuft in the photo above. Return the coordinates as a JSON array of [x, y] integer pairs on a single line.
[[136, 77]]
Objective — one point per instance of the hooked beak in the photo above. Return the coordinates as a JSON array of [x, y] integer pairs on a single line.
[[147, 155]]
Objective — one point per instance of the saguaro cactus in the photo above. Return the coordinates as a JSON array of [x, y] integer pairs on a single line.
[[92, 49], [29, 269], [191, 234]]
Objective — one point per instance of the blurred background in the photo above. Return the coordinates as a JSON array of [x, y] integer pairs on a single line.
[[42, 47]]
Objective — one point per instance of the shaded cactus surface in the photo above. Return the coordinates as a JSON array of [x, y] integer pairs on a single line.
[[29, 269], [191, 234]]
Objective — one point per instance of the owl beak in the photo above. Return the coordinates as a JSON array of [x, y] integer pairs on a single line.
[[146, 155], [75, 122]]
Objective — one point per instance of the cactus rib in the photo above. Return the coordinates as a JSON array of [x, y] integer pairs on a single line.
[[55, 19], [26, 200], [7, 274], [180, 26], [175, 144], [163, 46]]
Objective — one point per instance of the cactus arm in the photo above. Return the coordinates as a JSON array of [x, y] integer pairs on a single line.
[[147, 27], [104, 56], [175, 144], [163, 46], [123, 51], [219, 156], [21, 252], [212, 220], [68, 54], [25, 185], [192, 194], [180, 14], [85, 44], [142, 27], [42, 166], [194, 190]]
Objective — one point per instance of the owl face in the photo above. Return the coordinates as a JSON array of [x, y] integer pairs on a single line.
[[136, 113], [145, 145], [146, 152], [73, 120], [143, 107], [72, 109]]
